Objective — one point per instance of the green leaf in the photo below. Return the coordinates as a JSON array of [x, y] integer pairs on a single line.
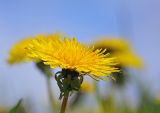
[[18, 108]]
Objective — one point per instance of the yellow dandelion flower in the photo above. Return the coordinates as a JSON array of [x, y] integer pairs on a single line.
[[87, 87], [72, 55], [120, 49], [18, 53], [75, 59]]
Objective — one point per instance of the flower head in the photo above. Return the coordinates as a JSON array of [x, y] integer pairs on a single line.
[[121, 49], [72, 55], [18, 53], [87, 87]]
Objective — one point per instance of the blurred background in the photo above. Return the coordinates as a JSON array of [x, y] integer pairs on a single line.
[[136, 21]]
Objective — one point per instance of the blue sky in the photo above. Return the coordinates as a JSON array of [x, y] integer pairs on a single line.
[[136, 20]]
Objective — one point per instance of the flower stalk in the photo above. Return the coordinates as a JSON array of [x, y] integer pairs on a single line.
[[68, 81], [64, 104], [48, 74]]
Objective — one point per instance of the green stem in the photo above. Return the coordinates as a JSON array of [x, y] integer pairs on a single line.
[[99, 99], [50, 94], [45, 69], [64, 104]]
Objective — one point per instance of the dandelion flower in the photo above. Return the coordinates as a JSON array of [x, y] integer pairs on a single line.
[[87, 87], [75, 59], [18, 53], [72, 55], [121, 49]]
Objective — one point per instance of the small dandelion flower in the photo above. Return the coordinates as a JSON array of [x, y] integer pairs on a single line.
[[87, 87], [18, 53], [121, 49]]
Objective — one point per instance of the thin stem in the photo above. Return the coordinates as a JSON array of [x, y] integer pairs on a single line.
[[99, 99], [64, 104], [50, 94], [45, 69]]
